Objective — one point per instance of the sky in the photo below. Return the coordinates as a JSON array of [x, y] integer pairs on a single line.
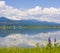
[[41, 10], [33, 3]]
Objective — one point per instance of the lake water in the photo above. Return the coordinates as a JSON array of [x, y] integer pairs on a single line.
[[28, 37]]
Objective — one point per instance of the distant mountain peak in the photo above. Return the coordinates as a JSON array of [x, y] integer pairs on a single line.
[[29, 22]]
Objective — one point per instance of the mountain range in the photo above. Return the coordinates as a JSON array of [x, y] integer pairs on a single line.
[[31, 22]]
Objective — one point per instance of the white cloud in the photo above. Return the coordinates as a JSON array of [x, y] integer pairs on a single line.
[[42, 14], [2, 3]]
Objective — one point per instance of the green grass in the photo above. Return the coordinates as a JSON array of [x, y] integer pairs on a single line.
[[29, 27], [30, 50]]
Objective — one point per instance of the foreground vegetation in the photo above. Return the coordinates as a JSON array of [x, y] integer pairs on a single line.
[[30, 50]]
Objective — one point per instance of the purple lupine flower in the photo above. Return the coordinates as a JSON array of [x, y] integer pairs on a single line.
[[55, 40], [49, 40]]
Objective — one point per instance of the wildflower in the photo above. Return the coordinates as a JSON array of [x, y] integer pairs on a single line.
[[49, 42], [55, 40]]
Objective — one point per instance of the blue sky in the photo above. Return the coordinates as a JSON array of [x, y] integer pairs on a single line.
[[33, 3], [41, 10]]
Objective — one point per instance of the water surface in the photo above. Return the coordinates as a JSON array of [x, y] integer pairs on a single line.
[[28, 37]]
